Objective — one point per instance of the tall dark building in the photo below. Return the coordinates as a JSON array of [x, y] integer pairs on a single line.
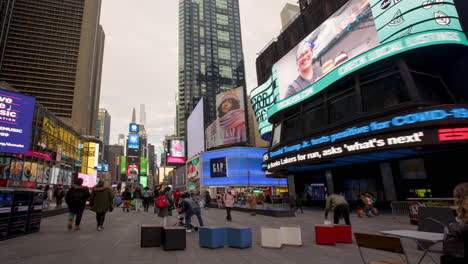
[[210, 55], [54, 52]]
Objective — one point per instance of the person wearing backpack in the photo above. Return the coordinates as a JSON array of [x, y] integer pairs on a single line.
[[76, 200], [164, 203], [147, 194]]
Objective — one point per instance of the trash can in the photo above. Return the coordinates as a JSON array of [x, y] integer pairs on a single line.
[[6, 203], [19, 214], [35, 211]]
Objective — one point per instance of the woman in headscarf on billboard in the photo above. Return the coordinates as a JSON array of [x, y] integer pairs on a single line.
[[232, 118]]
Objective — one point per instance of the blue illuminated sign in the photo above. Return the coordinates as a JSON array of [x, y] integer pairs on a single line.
[[16, 116], [218, 167], [440, 114], [105, 167], [134, 128], [99, 167], [133, 141]]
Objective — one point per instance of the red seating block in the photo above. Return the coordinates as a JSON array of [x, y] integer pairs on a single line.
[[343, 234], [325, 235]]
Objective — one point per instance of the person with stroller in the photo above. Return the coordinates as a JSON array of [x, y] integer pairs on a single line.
[[190, 207]]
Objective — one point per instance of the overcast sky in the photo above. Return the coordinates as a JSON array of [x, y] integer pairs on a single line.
[[141, 57]]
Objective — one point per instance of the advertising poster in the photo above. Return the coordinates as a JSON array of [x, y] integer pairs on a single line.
[[133, 141], [55, 175], [133, 170], [143, 166], [16, 116], [176, 151], [27, 172], [144, 181], [193, 173], [218, 167], [134, 128], [88, 180], [5, 169], [40, 174], [16, 170], [229, 128], [34, 172], [123, 165]]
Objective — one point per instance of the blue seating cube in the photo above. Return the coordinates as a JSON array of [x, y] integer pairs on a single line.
[[214, 237], [239, 237]]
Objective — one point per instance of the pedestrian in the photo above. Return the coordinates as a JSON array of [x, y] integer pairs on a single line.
[[228, 200], [59, 194], [165, 204], [137, 196], [252, 203], [46, 201], [127, 198], [456, 235], [177, 196], [190, 207], [207, 199], [147, 194], [340, 207], [299, 202], [219, 199], [101, 203], [76, 200]]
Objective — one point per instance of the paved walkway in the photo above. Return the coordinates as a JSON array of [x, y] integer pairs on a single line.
[[120, 242]]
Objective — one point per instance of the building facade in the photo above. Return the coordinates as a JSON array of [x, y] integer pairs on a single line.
[[53, 50], [210, 56], [103, 126]]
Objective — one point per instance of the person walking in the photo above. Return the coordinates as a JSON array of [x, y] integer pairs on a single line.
[[207, 200], [456, 235], [46, 201], [190, 207], [137, 196], [165, 204], [76, 200], [147, 194], [228, 200], [340, 207], [177, 196], [299, 203], [219, 200], [101, 203], [59, 194], [252, 203], [127, 199]]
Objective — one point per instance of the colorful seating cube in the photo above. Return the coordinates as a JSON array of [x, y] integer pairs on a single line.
[[325, 235], [343, 234], [271, 237], [291, 235], [239, 237], [214, 237]]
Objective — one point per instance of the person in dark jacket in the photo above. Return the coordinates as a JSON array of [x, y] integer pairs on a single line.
[[165, 212], [101, 203], [76, 200], [137, 196], [190, 207], [127, 198], [456, 252], [207, 199]]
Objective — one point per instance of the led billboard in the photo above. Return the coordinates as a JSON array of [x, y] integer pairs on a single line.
[[143, 166], [196, 131], [133, 141], [230, 127], [89, 180], [176, 151], [134, 128], [361, 33], [133, 170], [16, 116]]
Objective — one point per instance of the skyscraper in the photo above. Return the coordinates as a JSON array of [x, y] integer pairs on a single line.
[[103, 126], [54, 52], [288, 14], [210, 55], [142, 114]]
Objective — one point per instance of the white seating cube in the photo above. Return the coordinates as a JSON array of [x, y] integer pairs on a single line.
[[291, 235], [271, 237]]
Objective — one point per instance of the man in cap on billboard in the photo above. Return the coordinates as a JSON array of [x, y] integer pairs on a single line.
[[307, 74]]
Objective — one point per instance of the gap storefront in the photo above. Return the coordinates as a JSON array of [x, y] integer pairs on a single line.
[[386, 111], [239, 168]]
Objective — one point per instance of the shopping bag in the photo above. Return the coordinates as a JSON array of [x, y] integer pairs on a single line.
[[133, 203]]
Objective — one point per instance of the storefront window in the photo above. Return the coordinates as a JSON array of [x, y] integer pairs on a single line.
[[384, 93], [292, 128], [313, 118]]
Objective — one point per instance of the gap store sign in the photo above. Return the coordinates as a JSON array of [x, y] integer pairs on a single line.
[[243, 166], [16, 116]]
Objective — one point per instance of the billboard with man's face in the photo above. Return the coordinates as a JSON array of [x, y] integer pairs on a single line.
[[360, 33], [229, 128]]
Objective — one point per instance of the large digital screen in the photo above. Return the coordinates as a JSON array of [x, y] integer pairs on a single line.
[[133, 170], [176, 151], [218, 167], [360, 33], [89, 180], [196, 131], [16, 116], [134, 128], [229, 128], [133, 141]]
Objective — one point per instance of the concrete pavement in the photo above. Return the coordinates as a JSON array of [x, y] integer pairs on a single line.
[[120, 242]]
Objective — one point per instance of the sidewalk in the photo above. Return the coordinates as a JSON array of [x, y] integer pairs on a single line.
[[120, 242]]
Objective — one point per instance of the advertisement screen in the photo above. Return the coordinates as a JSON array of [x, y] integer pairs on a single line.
[[123, 165], [176, 151], [196, 131], [193, 173], [144, 181], [89, 180], [143, 166], [16, 116], [133, 141], [218, 167], [360, 33], [230, 126], [133, 170], [134, 128]]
